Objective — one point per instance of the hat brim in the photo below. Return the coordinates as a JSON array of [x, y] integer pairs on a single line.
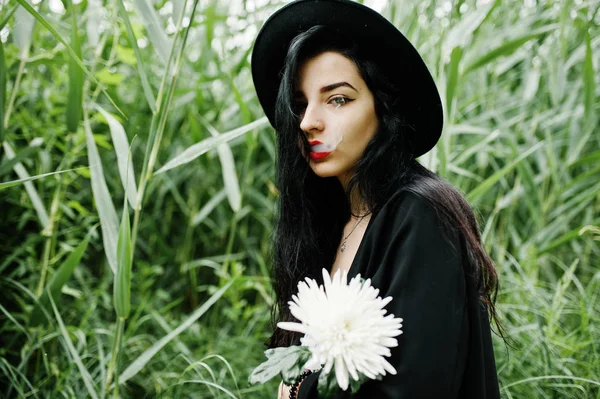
[[420, 105]]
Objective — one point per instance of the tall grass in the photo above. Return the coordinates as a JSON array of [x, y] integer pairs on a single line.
[[176, 303]]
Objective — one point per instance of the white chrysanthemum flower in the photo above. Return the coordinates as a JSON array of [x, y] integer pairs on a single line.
[[344, 326]]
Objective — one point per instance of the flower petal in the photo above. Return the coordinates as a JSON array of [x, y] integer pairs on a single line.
[[285, 325], [312, 363], [350, 366], [341, 373], [389, 367]]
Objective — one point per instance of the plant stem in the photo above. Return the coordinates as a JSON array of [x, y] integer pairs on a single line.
[[46, 256], [161, 115], [13, 94], [113, 365]]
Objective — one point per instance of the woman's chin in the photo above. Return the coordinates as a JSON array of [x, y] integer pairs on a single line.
[[323, 170]]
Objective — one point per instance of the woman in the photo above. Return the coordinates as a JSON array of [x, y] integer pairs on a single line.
[[326, 70]]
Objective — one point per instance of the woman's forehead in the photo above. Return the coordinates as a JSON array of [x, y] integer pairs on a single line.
[[327, 69]]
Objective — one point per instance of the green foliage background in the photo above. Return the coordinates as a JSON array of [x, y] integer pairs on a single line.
[[164, 123]]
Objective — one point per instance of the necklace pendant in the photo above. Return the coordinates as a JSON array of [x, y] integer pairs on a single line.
[[343, 246]]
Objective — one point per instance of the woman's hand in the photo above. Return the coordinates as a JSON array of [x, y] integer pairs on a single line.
[[284, 391]]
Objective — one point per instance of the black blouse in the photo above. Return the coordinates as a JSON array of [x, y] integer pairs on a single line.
[[445, 350]]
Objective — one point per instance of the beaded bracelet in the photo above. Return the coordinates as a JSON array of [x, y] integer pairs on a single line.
[[301, 378]]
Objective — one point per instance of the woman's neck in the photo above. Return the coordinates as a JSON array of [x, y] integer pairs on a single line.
[[358, 205]]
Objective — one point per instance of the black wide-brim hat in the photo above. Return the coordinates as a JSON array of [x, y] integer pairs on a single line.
[[420, 104]]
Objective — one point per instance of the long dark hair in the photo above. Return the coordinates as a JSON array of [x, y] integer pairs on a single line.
[[312, 211]]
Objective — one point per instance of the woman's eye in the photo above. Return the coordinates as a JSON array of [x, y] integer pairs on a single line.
[[340, 100]]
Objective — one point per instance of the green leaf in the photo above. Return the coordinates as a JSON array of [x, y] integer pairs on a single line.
[[178, 9], [206, 145], [138, 60], [94, 18], [488, 183], [104, 204], [327, 385], [507, 47], [355, 385], [70, 50], [58, 280], [158, 37], [2, 91], [124, 163], [208, 208], [126, 55], [109, 78], [75, 96], [558, 303], [7, 16], [36, 201], [290, 373], [25, 153], [85, 374], [461, 34], [589, 83], [23, 28], [149, 353], [230, 179], [122, 280], [31, 178], [574, 234], [287, 361], [102, 141], [239, 99], [452, 80]]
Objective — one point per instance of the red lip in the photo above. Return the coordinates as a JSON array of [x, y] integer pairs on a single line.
[[314, 142], [319, 155]]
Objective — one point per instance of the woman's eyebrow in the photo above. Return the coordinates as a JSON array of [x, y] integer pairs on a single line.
[[334, 86], [327, 88]]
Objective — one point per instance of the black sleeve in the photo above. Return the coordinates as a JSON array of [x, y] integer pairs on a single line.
[[308, 387], [423, 273]]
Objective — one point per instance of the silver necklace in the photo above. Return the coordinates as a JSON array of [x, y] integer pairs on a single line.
[[345, 238]]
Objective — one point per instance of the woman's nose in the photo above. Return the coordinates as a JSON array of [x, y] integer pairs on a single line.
[[311, 120]]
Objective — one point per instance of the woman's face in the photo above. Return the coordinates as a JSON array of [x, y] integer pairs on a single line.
[[333, 99]]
